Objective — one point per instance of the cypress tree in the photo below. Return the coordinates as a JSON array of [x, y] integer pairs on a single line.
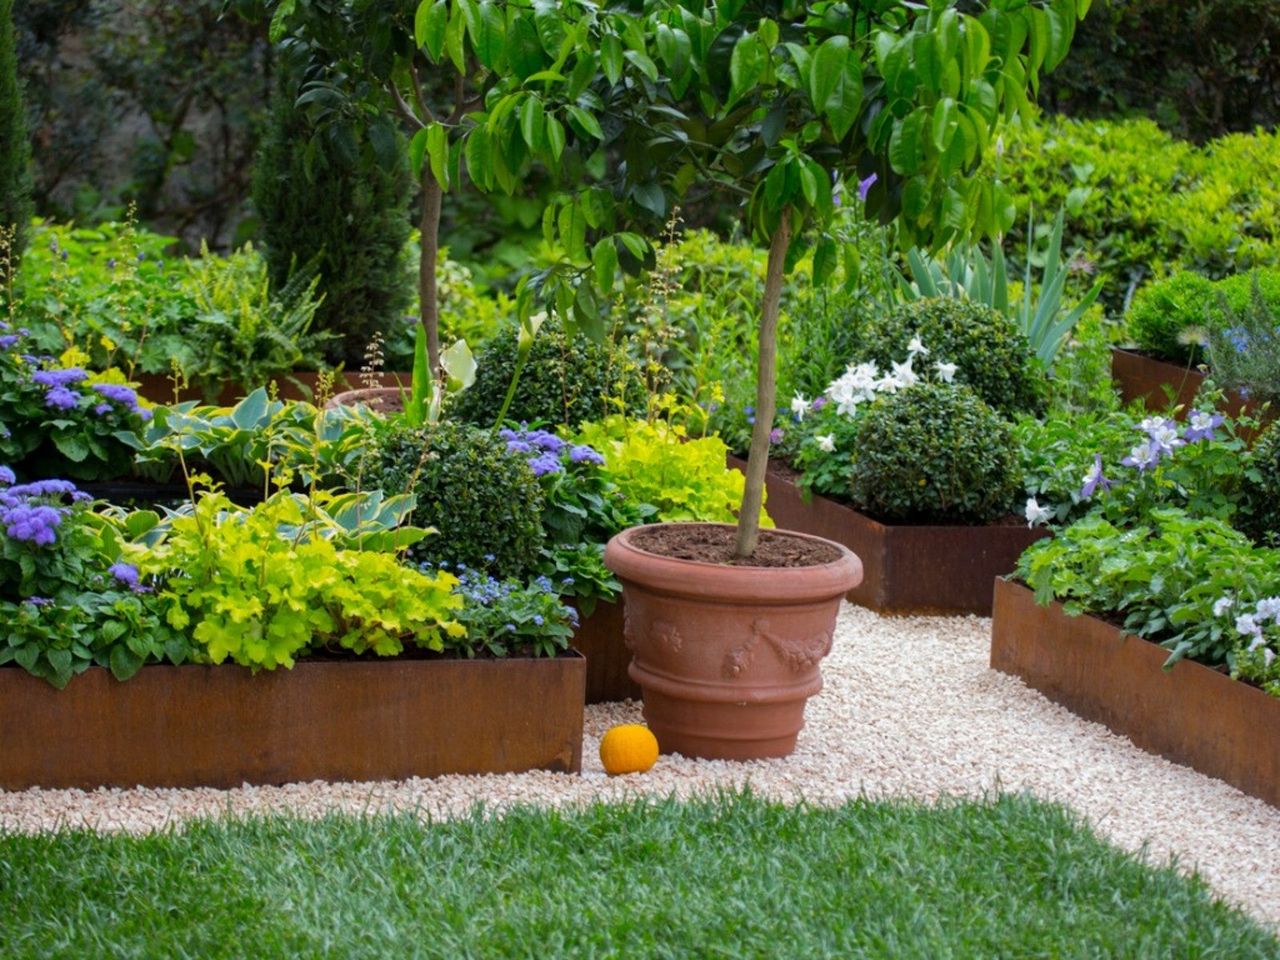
[[15, 149], [326, 206]]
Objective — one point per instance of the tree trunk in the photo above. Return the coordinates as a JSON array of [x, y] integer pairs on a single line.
[[428, 300], [766, 387]]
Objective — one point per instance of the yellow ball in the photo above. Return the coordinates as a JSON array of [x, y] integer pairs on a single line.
[[628, 748]]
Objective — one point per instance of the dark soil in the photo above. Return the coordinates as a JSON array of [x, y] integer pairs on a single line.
[[693, 541]]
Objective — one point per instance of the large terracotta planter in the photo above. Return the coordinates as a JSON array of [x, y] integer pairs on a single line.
[[727, 656], [907, 568], [222, 726], [384, 400], [1191, 714]]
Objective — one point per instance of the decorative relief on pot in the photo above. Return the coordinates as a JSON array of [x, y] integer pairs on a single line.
[[739, 658], [628, 631], [800, 654], [666, 635]]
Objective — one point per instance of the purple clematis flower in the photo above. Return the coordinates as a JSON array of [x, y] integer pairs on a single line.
[[864, 186], [1094, 479], [1200, 426], [1145, 456]]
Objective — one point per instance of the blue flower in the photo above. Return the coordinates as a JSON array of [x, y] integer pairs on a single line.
[[102, 409], [8, 340], [544, 464], [537, 619], [61, 398], [864, 186], [38, 601], [32, 523], [6, 476], [1094, 479], [117, 393], [581, 453], [59, 378], [127, 575], [1201, 426]]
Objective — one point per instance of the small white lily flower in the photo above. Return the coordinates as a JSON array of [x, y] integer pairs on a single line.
[[799, 406], [917, 347], [903, 373], [1222, 605], [826, 443], [1035, 513], [946, 371]]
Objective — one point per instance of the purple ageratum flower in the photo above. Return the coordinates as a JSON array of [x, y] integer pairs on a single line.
[[61, 398], [581, 453], [544, 464], [103, 409], [8, 340], [126, 574], [32, 523], [38, 601], [59, 378], [864, 186], [117, 393], [1094, 479], [1200, 426], [776, 435], [519, 446], [819, 402], [6, 476]]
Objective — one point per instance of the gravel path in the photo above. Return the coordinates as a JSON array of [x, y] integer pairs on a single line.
[[910, 709]]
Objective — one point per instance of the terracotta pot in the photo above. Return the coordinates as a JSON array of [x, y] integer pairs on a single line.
[[727, 656], [377, 399]]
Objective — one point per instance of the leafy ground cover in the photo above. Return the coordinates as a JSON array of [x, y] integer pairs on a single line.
[[733, 876]]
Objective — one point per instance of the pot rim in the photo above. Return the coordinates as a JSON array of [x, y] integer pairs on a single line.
[[728, 582]]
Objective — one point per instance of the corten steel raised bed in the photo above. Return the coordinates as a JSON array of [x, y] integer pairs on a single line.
[[906, 569], [323, 720], [599, 638], [1191, 714], [159, 389], [1140, 377]]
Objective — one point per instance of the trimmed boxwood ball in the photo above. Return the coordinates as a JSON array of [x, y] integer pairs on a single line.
[[991, 353], [485, 503], [566, 380], [934, 453], [1261, 487], [1163, 312]]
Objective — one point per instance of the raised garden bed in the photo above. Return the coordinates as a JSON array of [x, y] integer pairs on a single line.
[[1140, 377], [222, 726], [1191, 714], [159, 389], [906, 569], [599, 639]]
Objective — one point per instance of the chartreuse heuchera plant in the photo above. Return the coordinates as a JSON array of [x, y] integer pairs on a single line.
[[266, 585]]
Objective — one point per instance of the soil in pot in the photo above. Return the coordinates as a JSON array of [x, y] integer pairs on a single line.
[[383, 400], [727, 654]]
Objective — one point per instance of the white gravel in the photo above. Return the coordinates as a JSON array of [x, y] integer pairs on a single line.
[[910, 709]]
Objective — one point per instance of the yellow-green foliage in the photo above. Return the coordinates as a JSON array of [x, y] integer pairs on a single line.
[[1141, 203], [251, 586], [658, 463]]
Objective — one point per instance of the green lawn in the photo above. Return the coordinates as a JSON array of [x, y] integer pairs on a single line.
[[733, 877]]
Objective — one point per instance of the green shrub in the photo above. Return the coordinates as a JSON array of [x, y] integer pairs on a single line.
[[934, 453], [1175, 317], [344, 213], [484, 502], [1262, 489], [1166, 314], [991, 353], [565, 380], [1141, 204], [15, 152], [1244, 352]]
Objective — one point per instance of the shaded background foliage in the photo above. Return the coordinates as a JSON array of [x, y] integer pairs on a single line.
[[164, 104]]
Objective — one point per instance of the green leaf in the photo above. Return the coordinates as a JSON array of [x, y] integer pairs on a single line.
[[124, 663], [825, 258], [276, 31], [454, 39], [477, 153], [72, 446], [429, 25], [611, 57], [604, 258], [944, 123], [438, 153], [555, 138], [586, 122], [906, 146], [746, 66], [651, 198], [532, 126], [828, 71]]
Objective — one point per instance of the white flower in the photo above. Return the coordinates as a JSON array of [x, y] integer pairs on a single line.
[[1201, 421], [1248, 626], [1000, 146], [887, 384], [1222, 605], [1035, 513], [916, 347], [947, 371], [903, 374], [1268, 609], [1268, 657], [799, 406], [826, 443]]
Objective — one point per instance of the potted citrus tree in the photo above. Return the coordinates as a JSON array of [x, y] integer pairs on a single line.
[[781, 105]]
